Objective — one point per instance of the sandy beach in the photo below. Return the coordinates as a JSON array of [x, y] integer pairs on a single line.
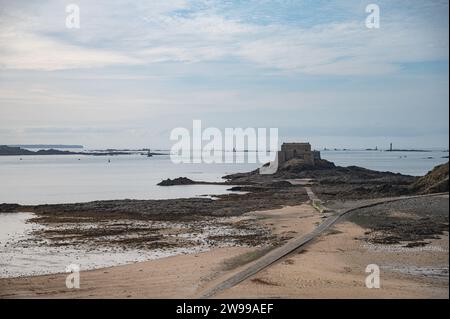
[[332, 266]]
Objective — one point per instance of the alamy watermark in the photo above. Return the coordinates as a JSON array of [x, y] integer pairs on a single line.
[[73, 16], [73, 279], [233, 145], [373, 279], [373, 19]]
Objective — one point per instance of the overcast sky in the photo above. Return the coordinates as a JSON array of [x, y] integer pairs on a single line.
[[137, 69]]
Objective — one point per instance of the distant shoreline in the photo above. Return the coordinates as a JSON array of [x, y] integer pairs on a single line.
[[408, 150], [18, 151], [41, 146]]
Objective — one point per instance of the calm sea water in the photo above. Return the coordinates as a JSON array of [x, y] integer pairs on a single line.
[[409, 163], [65, 179]]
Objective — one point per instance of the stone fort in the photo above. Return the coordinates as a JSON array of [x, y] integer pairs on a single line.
[[299, 151]]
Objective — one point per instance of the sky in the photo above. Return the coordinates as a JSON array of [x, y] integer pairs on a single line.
[[135, 70]]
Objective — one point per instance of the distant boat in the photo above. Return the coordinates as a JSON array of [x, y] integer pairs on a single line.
[[149, 154]]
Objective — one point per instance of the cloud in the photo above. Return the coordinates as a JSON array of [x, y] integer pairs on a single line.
[[346, 48], [27, 51], [143, 33]]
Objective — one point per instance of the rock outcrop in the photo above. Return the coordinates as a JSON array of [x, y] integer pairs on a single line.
[[177, 181], [436, 181]]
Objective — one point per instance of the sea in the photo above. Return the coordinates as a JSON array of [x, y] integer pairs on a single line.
[[53, 179]]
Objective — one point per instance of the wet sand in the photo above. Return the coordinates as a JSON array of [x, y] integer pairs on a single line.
[[36, 247], [333, 266], [181, 276]]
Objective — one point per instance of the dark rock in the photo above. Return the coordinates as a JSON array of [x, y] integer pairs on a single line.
[[280, 184], [177, 181], [9, 208]]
